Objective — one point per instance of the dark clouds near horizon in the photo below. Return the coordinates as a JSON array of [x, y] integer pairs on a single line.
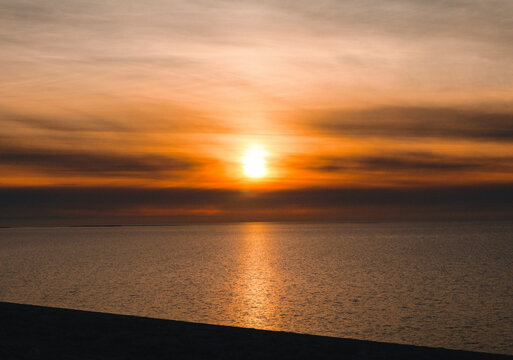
[[60, 205]]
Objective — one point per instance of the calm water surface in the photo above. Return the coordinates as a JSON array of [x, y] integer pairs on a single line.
[[448, 285]]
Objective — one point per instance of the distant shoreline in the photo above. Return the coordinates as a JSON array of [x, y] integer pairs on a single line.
[[35, 332]]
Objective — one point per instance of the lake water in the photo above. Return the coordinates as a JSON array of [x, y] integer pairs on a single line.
[[433, 284]]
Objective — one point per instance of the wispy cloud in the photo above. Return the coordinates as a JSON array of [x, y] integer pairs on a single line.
[[410, 161], [59, 162], [417, 122], [60, 123], [272, 52]]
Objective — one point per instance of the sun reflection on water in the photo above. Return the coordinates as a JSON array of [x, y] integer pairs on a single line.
[[257, 276]]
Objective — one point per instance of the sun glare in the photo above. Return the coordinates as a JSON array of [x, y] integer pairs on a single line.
[[253, 162]]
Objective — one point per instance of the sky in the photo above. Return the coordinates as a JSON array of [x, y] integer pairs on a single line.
[[141, 112]]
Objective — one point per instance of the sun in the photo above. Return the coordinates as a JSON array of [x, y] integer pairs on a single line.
[[253, 162]]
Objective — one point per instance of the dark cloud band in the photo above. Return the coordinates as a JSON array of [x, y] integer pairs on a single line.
[[407, 162], [417, 122], [90, 163], [101, 204]]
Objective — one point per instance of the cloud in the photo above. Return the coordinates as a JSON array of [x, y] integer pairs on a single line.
[[183, 49], [410, 19], [411, 161], [62, 123], [68, 204], [417, 122], [59, 199], [91, 163], [414, 196]]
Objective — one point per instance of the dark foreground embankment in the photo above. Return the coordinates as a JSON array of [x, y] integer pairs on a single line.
[[36, 332]]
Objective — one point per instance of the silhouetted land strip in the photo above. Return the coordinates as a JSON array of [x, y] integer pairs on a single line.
[[36, 332]]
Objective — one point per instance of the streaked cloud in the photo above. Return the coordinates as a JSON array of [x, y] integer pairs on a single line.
[[129, 204], [59, 162], [417, 122], [420, 162], [263, 54]]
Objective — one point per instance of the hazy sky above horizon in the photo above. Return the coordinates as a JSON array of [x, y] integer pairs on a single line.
[[155, 98]]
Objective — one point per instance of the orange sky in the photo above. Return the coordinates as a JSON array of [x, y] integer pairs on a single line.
[[395, 96]]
